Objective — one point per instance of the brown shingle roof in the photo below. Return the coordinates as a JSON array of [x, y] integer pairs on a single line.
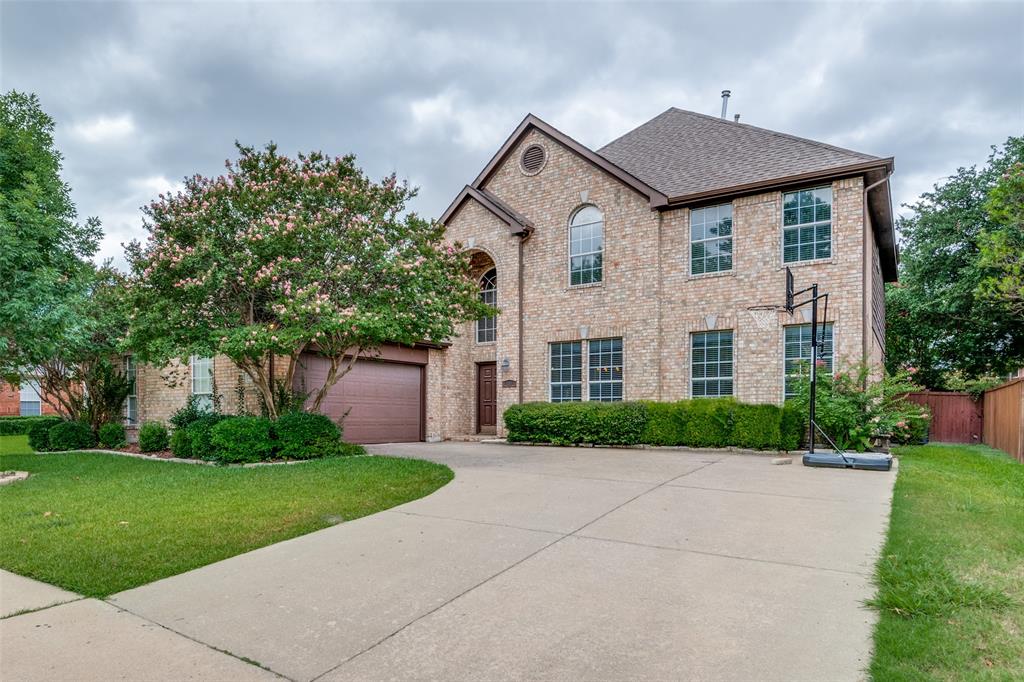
[[683, 153]]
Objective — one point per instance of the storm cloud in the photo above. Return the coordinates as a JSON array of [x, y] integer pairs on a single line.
[[145, 94]]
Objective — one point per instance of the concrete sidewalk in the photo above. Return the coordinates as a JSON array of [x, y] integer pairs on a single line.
[[538, 563]]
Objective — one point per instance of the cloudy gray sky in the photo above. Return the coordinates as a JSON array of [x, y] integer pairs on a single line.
[[146, 93]]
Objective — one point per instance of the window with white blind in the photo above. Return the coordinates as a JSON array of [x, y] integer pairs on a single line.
[[807, 225], [202, 381], [566, 371], [798, 353], [131, 403], [30, 403], [604, 369], [711, 364]]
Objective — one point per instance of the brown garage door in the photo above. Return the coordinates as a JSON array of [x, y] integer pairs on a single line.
[[384, 400]]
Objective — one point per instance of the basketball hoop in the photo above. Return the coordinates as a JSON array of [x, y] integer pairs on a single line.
[[765, 317]]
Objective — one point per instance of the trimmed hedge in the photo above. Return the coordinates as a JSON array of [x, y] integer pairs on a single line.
[[19, 426], [574, 423], [241, 440], [71, 436], [153, 437], [701, 423], [39, 433], [305, 435], [112, 435], [200, 438]]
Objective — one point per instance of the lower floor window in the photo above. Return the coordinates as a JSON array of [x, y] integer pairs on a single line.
[[31, 404], [798, 353], [131, 403], [711, 364], [202, 381], [604, 375], [566, 372]]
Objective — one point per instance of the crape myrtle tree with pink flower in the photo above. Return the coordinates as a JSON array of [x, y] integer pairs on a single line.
[[279, 256]]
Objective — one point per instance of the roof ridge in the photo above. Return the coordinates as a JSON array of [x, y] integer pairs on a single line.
[[777, 133]]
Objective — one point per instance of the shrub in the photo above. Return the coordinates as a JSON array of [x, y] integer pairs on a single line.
[[709, 423], [19, 426], [189, 413], [305, 435], [200, 441], [237, 440], [572, 423], [112, 435], [756, 426], [666, 423], [793, 426], [181, 442], [71, 436], [153, 437], [39, 433]]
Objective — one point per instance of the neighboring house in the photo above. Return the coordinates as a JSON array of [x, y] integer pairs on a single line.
[[24, 400], [631, 272]]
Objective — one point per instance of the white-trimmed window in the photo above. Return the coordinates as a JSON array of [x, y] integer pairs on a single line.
[[586, 246], [711, 239], [131, 403], [487, 327], [202, 381], [798, 353], [31, 403], [711, 364], [566, 371], [807, 224], [604, 369]]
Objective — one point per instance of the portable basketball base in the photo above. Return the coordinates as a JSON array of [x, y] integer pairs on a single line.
[[837, 459]]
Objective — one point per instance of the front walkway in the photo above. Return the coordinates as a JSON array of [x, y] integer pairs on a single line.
[[535, 563]]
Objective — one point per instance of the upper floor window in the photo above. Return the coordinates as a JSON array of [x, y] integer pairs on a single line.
[[202, 381], [486, 327], [711, 239], [131, 403], [807, 224], [798, 353], [711, 367], [31, 404], [586, 246]]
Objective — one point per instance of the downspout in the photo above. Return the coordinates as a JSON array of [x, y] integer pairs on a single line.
[[868, 263], [661, 331]]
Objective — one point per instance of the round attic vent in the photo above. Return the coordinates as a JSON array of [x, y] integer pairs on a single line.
[[533, 159]]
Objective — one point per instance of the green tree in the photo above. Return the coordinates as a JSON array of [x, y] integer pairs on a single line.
[[1002, 247], [81, 376], [940, 318], [44, 252], [280, 256]]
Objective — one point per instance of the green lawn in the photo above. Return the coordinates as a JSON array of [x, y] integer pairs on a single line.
[[951, 576], [98, 523]]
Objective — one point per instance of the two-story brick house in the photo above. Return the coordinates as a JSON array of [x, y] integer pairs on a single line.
[[630, 272], [635, 271]]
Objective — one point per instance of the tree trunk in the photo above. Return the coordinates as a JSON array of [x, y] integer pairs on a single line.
[[333, 375]]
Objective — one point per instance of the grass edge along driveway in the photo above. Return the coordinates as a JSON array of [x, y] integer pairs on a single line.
[[97, 523], [951, 574]]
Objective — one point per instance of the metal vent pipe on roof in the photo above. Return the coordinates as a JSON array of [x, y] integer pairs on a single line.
[[725, 101], [736, 118]]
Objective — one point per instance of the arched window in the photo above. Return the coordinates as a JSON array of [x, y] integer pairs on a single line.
[[586, 246], [487, 327]]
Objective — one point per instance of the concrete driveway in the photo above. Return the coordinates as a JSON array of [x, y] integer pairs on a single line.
[[534, 563]]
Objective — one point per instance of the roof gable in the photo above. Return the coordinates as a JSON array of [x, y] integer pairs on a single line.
[[518, 224], [531, 122], [685, 154]]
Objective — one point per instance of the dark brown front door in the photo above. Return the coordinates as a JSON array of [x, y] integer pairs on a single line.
[[486, 397]]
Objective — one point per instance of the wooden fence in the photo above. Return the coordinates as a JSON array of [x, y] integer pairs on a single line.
[[956, 417], [1004, 418]]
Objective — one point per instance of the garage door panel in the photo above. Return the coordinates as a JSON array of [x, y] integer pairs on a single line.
[[380, 401]]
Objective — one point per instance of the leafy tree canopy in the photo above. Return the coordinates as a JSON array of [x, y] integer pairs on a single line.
[[942, 315], [44, 252], [279, 256]]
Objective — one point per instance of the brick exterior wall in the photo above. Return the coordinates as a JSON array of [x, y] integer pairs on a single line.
[[163, 390], [10, 402], [647, 295]]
